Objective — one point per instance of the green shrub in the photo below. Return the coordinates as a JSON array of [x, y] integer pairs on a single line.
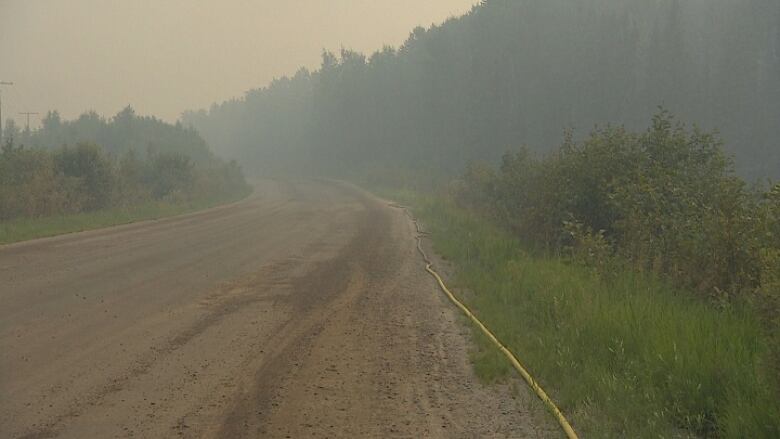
[[653, 216], [88, 164], [170, 175], [31, 186], [38, 183], [628, 356], [667, 200]]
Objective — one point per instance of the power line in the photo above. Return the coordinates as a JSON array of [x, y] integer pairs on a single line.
[[28, 114]]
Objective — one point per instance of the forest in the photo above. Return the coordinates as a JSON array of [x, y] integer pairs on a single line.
[[124, 132], [518, 73], [92, 164]]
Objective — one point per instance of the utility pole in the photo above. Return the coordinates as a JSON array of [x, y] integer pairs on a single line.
[[28, 114], [2, 83]]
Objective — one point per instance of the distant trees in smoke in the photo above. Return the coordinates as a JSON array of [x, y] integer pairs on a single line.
[[92, 163], [118, 135], [518, 72]]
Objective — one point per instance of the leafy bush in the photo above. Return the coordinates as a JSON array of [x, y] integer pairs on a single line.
[[30, 185], [94, 172], [770, 268], [170, 175], [40, 183], [666, 203], [631, 356], [666, 200]]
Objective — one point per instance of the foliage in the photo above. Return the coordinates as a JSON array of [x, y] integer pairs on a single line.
[[667, 200], [37, 183], [94, 172], [169, 175], [119, 135], [629, 356], [770, 267], [632, 208], [518, 71]]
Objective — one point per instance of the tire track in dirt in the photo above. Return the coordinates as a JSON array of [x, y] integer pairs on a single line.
[[301, 312]]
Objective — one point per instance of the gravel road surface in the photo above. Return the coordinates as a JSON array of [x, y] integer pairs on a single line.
[[302, 311]]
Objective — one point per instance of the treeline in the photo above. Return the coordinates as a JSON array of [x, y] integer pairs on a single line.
[[514, 72], [49, 180], [118, 135]]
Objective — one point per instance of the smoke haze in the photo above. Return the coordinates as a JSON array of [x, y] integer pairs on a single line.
[[163, 57]]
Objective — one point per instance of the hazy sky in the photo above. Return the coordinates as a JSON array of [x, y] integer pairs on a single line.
[[166, 56]]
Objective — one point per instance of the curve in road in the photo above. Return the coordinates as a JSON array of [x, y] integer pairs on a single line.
[[302, 311]]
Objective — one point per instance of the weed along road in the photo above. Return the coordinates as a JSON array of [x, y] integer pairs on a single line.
[[303, 311]]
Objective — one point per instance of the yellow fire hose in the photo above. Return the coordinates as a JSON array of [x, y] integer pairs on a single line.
[[567, 429]]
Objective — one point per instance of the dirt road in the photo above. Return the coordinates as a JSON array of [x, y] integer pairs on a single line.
[[300, 312]]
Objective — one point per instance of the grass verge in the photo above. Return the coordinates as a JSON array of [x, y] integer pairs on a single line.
[[24, 229], [628, 357]]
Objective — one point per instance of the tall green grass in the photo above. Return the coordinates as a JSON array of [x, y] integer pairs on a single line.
[[24, 229], [624, 357]]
